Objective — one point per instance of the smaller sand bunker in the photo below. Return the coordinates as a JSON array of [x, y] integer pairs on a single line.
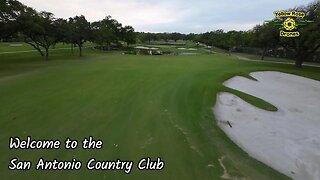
[[287, 140]]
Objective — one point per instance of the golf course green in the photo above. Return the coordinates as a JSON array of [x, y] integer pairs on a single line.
[[139, 106]]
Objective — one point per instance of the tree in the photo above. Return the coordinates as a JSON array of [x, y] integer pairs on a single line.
[[246, 38], [175, 36], [38, 30], [206, 38], [106, 32], [308, 42], [191, 37], [81, 31], [62, 30], [214, 38], [128, 35], [265, 37], [147, 37], [10, 10]]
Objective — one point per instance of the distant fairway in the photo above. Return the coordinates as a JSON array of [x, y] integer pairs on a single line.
[[140, 106]]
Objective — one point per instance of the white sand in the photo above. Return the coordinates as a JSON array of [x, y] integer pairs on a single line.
[[287, 140]]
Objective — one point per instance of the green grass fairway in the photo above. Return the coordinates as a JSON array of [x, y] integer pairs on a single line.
[[21, 46], [140, 106]]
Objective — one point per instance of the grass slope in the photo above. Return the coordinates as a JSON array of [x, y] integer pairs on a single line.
[[139, 106]]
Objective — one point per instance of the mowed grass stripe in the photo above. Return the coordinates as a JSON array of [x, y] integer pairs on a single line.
[[138, 105]]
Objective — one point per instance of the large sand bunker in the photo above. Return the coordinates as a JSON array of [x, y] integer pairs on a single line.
[[287, 140]]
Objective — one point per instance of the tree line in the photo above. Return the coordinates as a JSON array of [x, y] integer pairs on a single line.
[[43, 30]]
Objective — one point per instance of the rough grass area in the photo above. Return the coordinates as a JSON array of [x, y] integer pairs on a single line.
[[140, 106]]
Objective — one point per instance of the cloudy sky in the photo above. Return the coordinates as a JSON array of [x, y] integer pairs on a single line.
[[171, 15]]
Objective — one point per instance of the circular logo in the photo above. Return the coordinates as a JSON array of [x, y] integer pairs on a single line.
[[289, 24]]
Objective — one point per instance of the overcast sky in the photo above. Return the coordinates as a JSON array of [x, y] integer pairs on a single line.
[[183, 16]]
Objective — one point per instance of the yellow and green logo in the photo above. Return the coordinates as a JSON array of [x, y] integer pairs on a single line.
[[289, 22]]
